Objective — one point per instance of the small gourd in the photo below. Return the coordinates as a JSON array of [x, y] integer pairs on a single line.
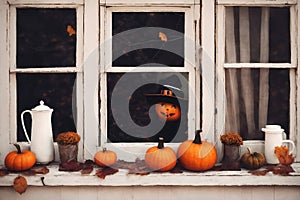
[[105, 158], [160, 158], [253, 160], [197, 155], [19, 160]]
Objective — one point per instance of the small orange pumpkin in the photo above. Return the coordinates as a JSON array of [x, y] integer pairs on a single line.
[[19, 160], [167, 111], [105, 158], [197, 155], [160, 158]]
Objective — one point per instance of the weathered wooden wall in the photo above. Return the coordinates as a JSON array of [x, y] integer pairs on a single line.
[[153, 192]]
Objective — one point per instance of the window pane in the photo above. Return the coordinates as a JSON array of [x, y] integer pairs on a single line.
[[56, 91], [256, 97], [143, 46], [46, 37], [257, 35], [131, 103]]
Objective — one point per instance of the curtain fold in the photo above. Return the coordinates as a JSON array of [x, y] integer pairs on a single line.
[[242, 111]]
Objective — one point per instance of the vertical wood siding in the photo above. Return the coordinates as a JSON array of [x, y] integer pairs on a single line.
[[155, 192]]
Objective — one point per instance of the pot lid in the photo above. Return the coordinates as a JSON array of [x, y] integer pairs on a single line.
[[42, 107]]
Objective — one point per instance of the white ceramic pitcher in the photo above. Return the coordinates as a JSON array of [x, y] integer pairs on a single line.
[[274, 135], [41, 133]]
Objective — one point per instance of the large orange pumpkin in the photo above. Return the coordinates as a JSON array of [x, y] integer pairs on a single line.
[[105, 158], [167, 111], [19, 160], [160, 158], [197, 155]]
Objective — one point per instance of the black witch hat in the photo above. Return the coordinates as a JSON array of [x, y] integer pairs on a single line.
[[170, 92]]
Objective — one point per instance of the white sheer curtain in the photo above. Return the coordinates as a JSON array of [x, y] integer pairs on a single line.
[[241, 98]]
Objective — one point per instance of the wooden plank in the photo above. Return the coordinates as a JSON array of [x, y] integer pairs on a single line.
[[46, 70], [298, 88], [148, 2]]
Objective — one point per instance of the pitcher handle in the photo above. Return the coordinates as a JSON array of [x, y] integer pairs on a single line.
[[291, 142], [23, 125]]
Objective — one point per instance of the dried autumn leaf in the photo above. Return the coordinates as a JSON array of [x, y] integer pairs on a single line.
[[71, 30], [20, 184], [284, 156], [162, 37], [102, 173]]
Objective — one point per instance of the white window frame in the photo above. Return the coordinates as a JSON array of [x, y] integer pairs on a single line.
[[8, 63], [88, 70], [293, 65], [138, 149]]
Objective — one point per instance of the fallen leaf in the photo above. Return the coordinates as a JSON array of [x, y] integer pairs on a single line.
[[162, 37], [40, 170], [20, 184], [87, 167], [259, 172], [284, 156], [283, 170], [102, 173], [71, 30]]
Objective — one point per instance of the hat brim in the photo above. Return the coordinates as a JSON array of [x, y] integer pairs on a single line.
[[156, 98]]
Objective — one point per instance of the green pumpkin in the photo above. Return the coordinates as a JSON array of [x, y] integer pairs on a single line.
[[253, 160]]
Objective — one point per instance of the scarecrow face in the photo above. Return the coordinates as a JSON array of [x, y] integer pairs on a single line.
[[167, 111]]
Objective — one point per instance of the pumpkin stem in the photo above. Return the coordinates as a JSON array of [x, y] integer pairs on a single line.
[[104, 149], [249, 150], [18, 148], [160, 143], [197, 139]]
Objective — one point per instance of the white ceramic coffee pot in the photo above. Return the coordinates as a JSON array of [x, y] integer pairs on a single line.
[[41, 142]]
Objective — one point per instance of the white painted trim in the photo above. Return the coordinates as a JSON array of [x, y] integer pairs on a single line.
[[258, 65], [121, 178], [208, 70], [189, 65], [91, 77], [220, 97], [256, 2], [39, 2], [4, 80], [297, 85], [149, 2], [46, 70]]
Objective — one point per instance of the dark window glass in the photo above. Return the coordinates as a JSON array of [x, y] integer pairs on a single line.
[[127, 127], [56, 90], [46, 37], [163, 44]]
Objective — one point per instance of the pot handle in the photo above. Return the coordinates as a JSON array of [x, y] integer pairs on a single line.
[[23, 125]]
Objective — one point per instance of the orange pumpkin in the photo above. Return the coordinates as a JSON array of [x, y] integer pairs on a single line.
[[167, 111], [19, 160], [105, 158], [197, 155], [160, 158]]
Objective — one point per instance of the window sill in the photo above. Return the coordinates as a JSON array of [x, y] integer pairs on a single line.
[[121, 178]]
